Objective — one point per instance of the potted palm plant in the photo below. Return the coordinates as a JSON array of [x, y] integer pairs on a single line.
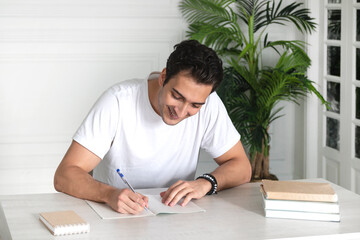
[[238, 31]]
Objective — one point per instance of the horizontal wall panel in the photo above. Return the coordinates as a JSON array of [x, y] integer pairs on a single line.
[[26, 181], [98, 24], [87, 35], [27, 166], [93, 9], [40, 161], [26, 146]]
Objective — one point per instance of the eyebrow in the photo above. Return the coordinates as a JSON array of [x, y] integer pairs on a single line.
[[182, 96]]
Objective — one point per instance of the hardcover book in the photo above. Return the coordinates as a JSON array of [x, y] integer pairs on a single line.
[[299, 191]]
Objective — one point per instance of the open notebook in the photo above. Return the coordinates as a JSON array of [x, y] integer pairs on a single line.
[[155, 207]]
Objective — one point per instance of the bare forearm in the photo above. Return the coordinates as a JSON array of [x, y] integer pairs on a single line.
[[232, 173], [78, 183], [72, 178]]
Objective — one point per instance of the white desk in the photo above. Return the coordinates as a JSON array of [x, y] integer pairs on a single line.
[[232, 214]]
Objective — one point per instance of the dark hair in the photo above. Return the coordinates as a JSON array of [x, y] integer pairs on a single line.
[[198, 60]]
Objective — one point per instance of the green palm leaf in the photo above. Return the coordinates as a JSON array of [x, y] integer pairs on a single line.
[[217, 13], [205, 10], [254, 8], [291, 13], [218, 38], [213, 23], [251, 91]]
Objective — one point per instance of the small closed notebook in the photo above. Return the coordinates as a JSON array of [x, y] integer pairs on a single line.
[[64, 223]]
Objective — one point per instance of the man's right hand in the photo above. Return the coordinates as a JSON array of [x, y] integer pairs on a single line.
[[72, 177], [126, 201]]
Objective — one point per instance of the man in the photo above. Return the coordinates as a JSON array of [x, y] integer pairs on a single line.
[[152, 131]]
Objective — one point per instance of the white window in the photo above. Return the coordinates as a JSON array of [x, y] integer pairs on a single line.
[[337, 71]]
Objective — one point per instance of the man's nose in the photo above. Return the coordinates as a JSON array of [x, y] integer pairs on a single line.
[[183, 110]]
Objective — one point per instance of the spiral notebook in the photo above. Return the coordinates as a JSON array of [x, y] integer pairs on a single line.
[[64, 222]]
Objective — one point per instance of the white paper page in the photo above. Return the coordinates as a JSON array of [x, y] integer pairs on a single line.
[[106, 212], [155, 207]]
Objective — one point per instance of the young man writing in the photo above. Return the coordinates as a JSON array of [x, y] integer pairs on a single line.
[[152, 130]]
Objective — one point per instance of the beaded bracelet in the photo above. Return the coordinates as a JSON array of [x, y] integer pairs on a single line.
[[213, 182]]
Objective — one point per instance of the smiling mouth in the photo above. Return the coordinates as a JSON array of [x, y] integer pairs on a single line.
[[172, 114]]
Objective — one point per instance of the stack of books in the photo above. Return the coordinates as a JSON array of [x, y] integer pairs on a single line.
[[300, 200]]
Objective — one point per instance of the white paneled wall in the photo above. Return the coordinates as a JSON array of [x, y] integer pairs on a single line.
[[58, 56]]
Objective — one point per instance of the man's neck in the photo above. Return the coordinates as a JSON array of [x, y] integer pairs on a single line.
[[153, 90]]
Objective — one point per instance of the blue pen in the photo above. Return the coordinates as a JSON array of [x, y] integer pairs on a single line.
[[127, 183]]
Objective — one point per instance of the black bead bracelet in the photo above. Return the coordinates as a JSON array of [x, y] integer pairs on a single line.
[[213, 182]]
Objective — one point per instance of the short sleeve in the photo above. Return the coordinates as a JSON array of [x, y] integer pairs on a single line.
[[98, 130], [220, 134]]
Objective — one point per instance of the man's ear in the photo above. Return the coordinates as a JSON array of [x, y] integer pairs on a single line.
[[162, 77]]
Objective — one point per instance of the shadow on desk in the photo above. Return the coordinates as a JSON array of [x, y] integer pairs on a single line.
[[247, 199], [4, 230]]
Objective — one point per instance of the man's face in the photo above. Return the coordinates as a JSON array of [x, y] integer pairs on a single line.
[[181, 97]]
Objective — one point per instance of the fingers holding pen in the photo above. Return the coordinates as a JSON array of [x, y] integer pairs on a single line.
[[135, 197], [126, 201], [144, 200]]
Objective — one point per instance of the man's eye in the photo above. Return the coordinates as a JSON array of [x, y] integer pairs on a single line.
[[196, 106], [176, 97]]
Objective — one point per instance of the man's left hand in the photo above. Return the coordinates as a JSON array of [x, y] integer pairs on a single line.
[[188, 189]]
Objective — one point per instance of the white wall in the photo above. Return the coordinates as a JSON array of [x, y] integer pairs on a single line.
[[58, 56], [287, 132]]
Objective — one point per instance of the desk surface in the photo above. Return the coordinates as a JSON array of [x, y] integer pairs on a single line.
[[235, 213]]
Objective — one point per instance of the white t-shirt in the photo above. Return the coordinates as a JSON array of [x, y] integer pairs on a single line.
[[123, 130]]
